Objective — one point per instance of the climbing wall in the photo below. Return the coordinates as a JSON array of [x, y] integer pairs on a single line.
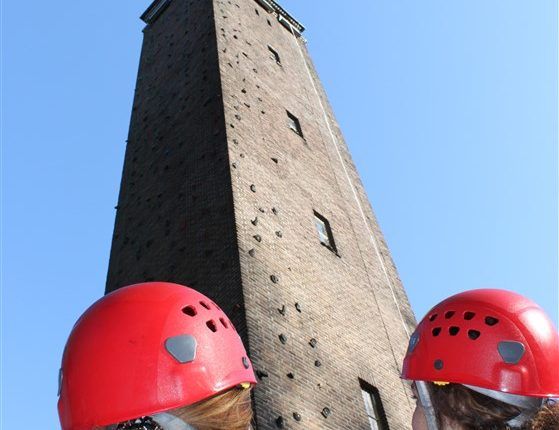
[[175, 219], [220, 191], [317, 320]]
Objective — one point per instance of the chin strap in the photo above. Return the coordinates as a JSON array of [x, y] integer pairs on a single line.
[[425, 399], [171, 422], [528, 405]]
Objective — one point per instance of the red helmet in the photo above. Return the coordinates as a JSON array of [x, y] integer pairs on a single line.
[[492, 339], [146, 349]]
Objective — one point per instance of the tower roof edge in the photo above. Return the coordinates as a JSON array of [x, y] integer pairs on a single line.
[[154, 10], [158, 6], [273, 6]]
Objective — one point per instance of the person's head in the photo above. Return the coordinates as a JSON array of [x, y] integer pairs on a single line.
[[482, 359], [460, 408], [155, 356]]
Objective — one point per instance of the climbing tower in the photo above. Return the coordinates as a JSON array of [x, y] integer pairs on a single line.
[[237, 181]]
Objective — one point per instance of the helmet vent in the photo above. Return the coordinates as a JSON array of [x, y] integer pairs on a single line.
[[190, 311], [211, 325], [469, 315], [436, 331], [473, 334], [224, 323], [491, 321], [449, 314], [453, 331], [433, 317], [205, 305]]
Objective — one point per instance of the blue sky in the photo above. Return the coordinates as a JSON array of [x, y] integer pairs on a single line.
[[449, 109]]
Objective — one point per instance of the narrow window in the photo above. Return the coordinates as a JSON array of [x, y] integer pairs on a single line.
[[275, 56], [294, 124], [325, 232], [373, 406]]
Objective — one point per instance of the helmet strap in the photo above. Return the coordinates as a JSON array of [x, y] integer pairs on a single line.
[[528, 405], [425, 398], [171, 422]]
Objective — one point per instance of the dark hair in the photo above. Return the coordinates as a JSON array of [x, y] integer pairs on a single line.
[[456, 404], [547, 418]]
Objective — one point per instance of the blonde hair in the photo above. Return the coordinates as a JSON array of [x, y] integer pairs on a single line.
[[231, 410]]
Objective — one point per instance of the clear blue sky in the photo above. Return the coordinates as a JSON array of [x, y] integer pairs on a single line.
[[449, 109]]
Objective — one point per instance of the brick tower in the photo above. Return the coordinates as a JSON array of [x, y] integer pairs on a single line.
[[237, 181]]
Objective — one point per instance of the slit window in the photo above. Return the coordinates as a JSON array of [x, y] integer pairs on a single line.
[[274, 55], [294, 123], [373, 406], [325, 232]]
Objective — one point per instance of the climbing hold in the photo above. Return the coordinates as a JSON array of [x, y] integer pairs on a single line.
[[279, 422], [254, 221], [279, 234], [298, 307], [283, 338], [234, 165], [235, 141], [313, 342], [275, 211], [257, 237], [282, 310], [326, 412], [261, 374], [262, 210], [317, 363], [251, 252], [275, 160], [253, 188], [274, 279], [290, 375], [297, 416]]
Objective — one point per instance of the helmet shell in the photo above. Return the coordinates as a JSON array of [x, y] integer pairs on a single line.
[[117, 363], [488, 338]]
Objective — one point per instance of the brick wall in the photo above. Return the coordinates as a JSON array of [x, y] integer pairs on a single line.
[[219, 193], [175, 219]]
